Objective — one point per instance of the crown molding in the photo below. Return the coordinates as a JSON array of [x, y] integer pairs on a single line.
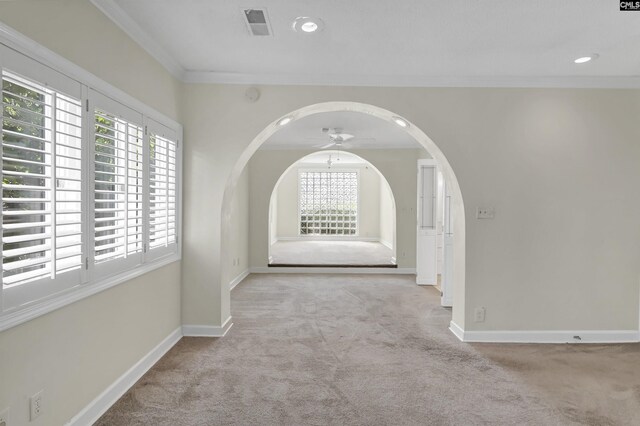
[[119, 17], [114, 12], [576, 82]]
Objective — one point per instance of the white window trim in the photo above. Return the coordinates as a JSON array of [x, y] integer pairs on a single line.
[[14, 40], [350, 168]]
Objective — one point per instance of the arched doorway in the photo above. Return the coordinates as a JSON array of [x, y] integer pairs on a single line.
[[456, 207]]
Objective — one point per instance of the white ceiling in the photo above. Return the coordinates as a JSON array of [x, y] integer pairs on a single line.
[[391, 42], [306, 133], [337, 158]]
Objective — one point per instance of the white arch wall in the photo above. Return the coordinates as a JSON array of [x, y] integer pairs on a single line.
[[379, 189], [546, 262]]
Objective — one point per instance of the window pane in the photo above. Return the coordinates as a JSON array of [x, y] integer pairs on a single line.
[[117, 187], [27, 141], [330, 202], [162, 191], [68, 184]]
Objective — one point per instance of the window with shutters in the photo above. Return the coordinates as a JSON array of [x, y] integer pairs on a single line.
[[328, 202], [89, 196]]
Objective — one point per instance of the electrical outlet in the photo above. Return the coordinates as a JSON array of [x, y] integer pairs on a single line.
[[479, 314], [35, 405], [485, 213], [4, 417]]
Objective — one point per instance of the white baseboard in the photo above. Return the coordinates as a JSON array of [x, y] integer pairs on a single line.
[[386, 243], [455, 329], [546, 336], [424, 281], [237, 280], [96, 408], [330, 270], [447, 303], [194, 330]]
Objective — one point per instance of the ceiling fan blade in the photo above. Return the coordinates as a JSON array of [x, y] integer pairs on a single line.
[[360, 141], [344, 137], [325, 146], [344, 145]]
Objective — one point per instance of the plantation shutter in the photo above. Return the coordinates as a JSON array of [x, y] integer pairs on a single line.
[[118, 144], [68, 183], [162, 214], [27, 195], [42, 244]]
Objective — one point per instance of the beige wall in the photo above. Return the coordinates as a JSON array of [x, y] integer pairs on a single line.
[[387, 217], [285, 198], [273, 218], [75, 352], [239, 220], [370, 185], [551, 162], [397, 166]]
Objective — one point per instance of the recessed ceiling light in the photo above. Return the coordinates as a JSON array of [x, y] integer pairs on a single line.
[[400, 122], [284, 121], [307, 25], [585, 59]]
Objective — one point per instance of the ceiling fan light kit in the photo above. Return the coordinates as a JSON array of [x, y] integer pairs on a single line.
[[340, 139]]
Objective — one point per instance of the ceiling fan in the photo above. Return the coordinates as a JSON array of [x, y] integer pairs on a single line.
[[339, 139]]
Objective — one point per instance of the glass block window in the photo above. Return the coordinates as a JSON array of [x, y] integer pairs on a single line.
[[328, 202]]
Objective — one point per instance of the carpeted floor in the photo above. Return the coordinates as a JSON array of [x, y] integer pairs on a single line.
[[373, 350], [330, 253]]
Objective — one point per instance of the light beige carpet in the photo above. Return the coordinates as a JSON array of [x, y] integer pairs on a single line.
[[373, 350]]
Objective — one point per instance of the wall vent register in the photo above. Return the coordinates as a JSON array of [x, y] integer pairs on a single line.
[[257, 22]]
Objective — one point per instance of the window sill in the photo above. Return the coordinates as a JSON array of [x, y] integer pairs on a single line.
[[27, 313]]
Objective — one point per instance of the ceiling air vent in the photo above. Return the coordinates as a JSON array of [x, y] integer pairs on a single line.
[[257, 22]]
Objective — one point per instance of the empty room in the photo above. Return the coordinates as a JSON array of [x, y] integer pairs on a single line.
[[320, 213]]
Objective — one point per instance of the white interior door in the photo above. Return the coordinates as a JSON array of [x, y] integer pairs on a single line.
[[426, 250], [440, 225], [447, 269]]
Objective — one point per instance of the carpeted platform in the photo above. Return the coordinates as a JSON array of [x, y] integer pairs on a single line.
[[372, 350], [330, 253]]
